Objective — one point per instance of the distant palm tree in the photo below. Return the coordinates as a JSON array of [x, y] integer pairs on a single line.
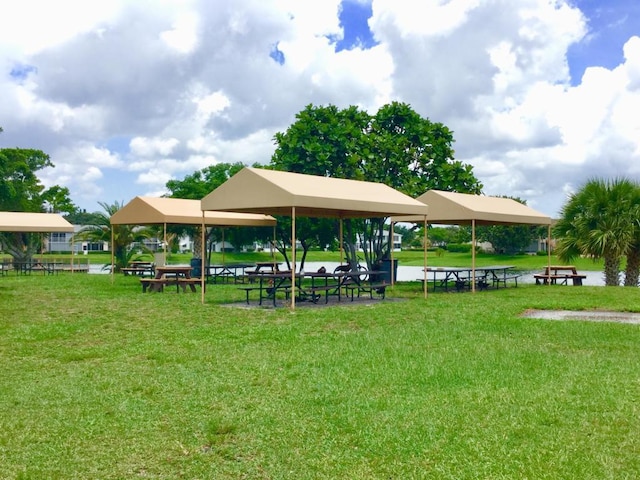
[[127, 239], [632, 270], [600, 221]]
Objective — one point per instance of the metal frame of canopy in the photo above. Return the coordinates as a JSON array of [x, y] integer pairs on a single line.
[[35, 222], [256, 190], [179, 211], [450, 208]]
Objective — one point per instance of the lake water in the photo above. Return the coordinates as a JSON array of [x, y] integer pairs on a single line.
[[409, 274]]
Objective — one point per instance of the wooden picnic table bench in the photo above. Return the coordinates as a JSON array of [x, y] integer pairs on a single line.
[[45, 267], [152, 284], [377, 288], [169, 275], [559, 275], [138, 268], [268, 285], [317, 285]]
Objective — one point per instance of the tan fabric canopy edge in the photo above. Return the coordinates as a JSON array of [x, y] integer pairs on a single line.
[[33, 222], [276, 193], [451, 208], [296, 194], [162, 210]]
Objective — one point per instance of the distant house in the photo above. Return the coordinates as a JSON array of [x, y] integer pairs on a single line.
[[62, 242], [397, 241]]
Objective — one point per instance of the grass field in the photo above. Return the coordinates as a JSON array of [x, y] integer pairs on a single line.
[[99, 381]]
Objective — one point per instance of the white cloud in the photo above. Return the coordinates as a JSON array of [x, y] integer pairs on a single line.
[[425, 18], [29, 26], [127, 95], [212, 104], [153, 178], [148, 147], [183, 36]]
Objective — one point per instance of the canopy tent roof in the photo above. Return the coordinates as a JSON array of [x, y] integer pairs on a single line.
[[276, 192], [449, 208], [296, 194], [161, 210], [33, 222]]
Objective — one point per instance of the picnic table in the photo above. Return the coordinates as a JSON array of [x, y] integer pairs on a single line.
[[269, 284], [316, 286], [139, 268], [559, 275], [461, 278], [178, 275], [227, 272], [25, 268], [272, 266]]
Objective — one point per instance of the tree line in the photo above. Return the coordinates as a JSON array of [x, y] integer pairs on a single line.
[[395, 146]]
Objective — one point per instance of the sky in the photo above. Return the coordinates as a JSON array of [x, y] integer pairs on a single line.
[[542, 95]]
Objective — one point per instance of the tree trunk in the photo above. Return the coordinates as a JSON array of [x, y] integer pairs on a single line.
[[22, 246], [197, 243], [349, 243], [611, 271], [632, 270]]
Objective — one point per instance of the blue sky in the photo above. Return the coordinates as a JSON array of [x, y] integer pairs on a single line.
[[354, 20], [124, 96], [611, 23]]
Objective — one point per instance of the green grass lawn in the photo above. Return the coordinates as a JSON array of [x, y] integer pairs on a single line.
[[99, 381]]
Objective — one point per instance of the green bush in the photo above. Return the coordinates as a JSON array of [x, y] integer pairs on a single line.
[[459, 247]]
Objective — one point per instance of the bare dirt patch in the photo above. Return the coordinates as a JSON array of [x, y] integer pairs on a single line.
[[588, 315], [333, 301]]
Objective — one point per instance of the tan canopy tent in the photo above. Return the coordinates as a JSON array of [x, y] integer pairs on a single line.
[[295, 194], [30, 222], [179, 211], [176, 211], [33, 222], [449, 208]]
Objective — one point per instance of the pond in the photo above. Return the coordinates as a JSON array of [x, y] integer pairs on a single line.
[[410, 274]]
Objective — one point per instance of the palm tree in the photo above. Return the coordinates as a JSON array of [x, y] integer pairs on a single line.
[[126, 238], [632, 270], [599, 221]]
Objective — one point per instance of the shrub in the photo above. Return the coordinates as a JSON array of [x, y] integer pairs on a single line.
[[459, 247]]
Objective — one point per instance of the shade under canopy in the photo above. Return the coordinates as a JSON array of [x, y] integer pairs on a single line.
[[161, 210], [285, 193], [33, 222], [275, 192], [451, 208]]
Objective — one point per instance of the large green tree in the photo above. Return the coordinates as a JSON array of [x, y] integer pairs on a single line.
[[20, 188], [82, 217], [198, 185], [324, 141], [395, 146], [508, 239], [22, 191], [443, 236], [600, 220]]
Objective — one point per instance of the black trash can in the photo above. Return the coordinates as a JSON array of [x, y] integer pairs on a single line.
[[385, 267], [196, 267]]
